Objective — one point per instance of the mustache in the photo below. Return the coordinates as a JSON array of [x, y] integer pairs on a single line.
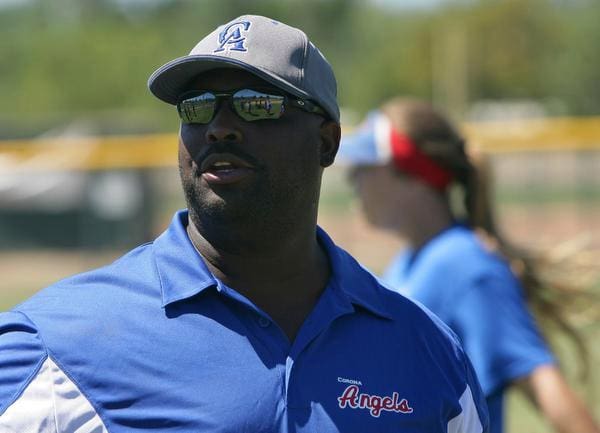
[[223, 147]]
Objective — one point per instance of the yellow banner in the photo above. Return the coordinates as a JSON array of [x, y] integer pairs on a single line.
[[553, 134], [160, 150], [89, 153]]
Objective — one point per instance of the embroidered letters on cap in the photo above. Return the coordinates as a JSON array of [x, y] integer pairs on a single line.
[[232, 39]]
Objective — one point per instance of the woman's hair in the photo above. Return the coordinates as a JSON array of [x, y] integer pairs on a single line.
[[436, 137]]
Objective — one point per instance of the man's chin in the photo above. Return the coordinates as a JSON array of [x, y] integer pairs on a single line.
[[216, 209]]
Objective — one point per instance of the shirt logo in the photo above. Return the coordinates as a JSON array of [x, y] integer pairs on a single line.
[[352, 381], [373, 403], [231, 39]]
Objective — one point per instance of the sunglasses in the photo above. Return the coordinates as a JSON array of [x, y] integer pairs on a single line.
[[201, 106]]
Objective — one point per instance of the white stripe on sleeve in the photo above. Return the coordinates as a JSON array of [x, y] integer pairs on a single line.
[[51, 403], [468, 420]]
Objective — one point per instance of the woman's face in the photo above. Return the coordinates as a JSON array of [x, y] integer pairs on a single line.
[[389, 198]]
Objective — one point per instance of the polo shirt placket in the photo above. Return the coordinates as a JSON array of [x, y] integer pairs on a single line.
[[331, 305]]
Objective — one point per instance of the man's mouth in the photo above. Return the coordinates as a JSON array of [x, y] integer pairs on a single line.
[[224, 168]]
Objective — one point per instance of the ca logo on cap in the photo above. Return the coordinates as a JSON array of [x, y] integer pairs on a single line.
[[231, 39]]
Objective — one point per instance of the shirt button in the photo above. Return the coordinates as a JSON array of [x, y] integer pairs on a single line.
[[263, 322]]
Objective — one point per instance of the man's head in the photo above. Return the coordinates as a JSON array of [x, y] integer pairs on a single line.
[[277, 53], [259, 123]]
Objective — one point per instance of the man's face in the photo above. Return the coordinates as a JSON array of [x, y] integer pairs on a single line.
[[242, 172]]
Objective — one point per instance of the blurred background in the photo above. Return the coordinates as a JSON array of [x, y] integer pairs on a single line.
[[87, 155]]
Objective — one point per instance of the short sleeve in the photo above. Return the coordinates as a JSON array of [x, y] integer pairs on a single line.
[[474, 416], [470, 412], [22, 354], [36, 395], [498, 332]]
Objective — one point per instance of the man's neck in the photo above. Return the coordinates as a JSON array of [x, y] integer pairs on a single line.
[[283, 274]]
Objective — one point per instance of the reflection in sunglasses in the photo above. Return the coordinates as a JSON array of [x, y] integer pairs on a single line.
[[200, 107]]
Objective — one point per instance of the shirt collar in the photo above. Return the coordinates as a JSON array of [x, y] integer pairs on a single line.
[[180, 267], [183, 273], [354, 282]]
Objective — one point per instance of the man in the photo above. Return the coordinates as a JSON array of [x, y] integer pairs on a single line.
[[243, 316]]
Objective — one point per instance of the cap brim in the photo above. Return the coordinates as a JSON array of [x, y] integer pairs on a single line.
[[170, 80], [360, 147]]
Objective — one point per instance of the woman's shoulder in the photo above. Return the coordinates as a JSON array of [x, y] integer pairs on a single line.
[[462, 248]]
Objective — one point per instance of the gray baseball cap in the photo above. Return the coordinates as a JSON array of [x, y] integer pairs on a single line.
[[275, 52]]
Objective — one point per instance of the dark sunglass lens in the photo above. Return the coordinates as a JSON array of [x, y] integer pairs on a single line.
[[252, 105], [197, 109]]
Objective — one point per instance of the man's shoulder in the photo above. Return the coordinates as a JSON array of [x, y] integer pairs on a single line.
[[96, 285], [73, 317], [414, 336], [22, 353], [75, 305], [410, 312], [33, 385], [403, 312]]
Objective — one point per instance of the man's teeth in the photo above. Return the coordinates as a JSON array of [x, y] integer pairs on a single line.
[[222, 165]]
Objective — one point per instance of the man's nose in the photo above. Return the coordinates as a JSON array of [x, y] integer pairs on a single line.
[[224, 126]]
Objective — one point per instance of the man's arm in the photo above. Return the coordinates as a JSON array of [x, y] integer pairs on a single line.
[[480, 421], [35, 394], [25, 393], [549, 391]]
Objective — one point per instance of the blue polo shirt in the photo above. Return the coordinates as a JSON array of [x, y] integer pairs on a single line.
[[154, 342], [475, 292]]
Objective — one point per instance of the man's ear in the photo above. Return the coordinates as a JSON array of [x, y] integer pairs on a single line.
[[330, 133]]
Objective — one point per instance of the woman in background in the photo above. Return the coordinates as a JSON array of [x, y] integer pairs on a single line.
[[406, 159]]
